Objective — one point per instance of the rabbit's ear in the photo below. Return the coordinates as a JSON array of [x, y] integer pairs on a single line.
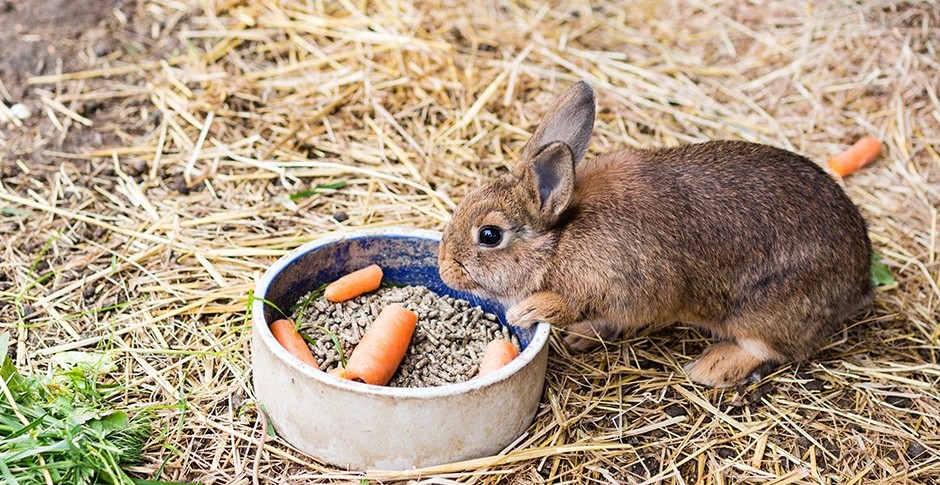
[[570, 121], [549, 180]]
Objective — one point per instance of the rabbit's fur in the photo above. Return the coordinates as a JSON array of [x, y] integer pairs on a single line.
[[753, 243]]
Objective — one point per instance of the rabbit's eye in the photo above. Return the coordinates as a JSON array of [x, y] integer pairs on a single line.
[[490, 236]]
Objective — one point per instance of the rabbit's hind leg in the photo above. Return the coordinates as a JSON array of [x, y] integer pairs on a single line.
[[725, 364], [587, 335]]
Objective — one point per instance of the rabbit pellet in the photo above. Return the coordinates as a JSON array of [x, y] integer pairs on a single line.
[[447, 345]]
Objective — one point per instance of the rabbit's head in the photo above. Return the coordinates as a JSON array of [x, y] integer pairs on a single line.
[[502, 236]]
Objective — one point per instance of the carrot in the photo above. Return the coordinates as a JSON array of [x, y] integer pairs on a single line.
[[291, 340], [383, 346], [497, 354], [354, 284], [857, 156], [338, 372]]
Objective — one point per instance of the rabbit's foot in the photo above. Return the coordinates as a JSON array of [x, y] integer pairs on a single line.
[[725, 364], [542, 306], [589, 334]]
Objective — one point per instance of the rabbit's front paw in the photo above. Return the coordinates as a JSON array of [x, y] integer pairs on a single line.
[[543, 306]]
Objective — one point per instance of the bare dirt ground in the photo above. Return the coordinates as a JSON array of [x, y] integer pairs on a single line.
[[152, 184]]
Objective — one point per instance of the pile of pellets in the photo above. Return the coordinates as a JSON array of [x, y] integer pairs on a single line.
[[447, 345]]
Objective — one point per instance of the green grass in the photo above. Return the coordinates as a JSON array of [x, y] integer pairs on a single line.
[[298, 311], [319, 188], [300, 307], [59, 427]]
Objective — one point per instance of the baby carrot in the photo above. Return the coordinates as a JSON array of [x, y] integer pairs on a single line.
[[354, 284], [383, 346], [291, 340], [857, 156], [497, 354]]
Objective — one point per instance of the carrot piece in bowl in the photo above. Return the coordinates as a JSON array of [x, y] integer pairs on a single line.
[[497, 354], [383, 346], [291, 340], [354, 284]]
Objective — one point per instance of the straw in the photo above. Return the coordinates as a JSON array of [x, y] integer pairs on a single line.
[[159, 180]]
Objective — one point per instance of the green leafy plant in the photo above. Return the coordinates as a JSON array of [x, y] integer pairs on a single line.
[[59, 428], [880, 275]]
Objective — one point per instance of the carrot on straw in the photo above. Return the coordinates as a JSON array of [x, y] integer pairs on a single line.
[[497, 354], [383, 346], [291, 340], [857, 156], [354, 284]]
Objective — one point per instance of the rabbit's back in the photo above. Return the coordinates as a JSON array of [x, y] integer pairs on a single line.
[[703, 228]]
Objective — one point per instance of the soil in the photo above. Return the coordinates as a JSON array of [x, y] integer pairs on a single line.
[[43, 37], [36, 36]]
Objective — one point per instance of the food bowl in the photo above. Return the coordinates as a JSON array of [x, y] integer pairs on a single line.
[[361, 426]]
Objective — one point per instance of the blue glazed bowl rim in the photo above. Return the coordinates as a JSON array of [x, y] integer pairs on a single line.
[[538, 342]]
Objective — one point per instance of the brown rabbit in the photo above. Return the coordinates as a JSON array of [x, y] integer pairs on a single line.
[[753, 243]]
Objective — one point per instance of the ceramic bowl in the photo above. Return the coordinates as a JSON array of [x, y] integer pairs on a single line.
[[360, 426]]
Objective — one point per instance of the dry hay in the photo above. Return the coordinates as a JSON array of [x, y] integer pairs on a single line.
[[158, 177]]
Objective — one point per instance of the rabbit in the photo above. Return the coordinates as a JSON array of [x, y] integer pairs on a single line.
[[754, 244]]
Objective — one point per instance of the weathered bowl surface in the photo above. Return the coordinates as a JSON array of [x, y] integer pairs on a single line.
[[361, 426]]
